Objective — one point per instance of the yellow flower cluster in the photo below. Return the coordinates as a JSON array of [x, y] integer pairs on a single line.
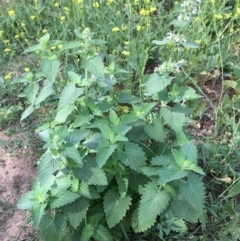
[[62, 18], [96, 5], [110, 2], [126, 53], [218, 16], [115, 29], [1, 33], [238, 11], [11, 13], [8, 76]]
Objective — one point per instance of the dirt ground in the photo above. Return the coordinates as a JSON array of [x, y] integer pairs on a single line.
[[16, 176]]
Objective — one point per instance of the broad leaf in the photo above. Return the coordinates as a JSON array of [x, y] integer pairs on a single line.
[[62, 198], [101, 233], [37, 212], [82, 119], [189, 151], [76, 211], [155, 130], [161, 160], [47, 166], [174, 119], [26, 201], [171, 173], [234, 190], [45, 92], [31, 92], [183, 209], [122, 185], [193, 191], [133, 156], [103, 153], [88, 191], [27, 112], [63, 113], [50, 68], [94, 65], [52, 228], [156, 83], [87, 232], [73, 153], [69, 94], [152, 203], [76, 136], [115, 207]]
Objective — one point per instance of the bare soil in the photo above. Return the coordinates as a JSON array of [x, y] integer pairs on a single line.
[[16, 176]]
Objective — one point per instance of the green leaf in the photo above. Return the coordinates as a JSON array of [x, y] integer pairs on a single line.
[[47, 166], [74, 77], [88, 191], [76, 136], [50, 68], [94, 65], [91, 174], [193, 191], [156, 83], [33, 48], [103, 153], [133, 156], [160, 43], [73, 153], [37, 213], [45, 92], [113, 117], [62, 198], [127, 98], [26, 201], [234, 190], [155, 130], [63, 113], [82, 119], [122, 185], [106, 131], [76, 211], [69, 94], [101, 233], [87, 232], [152, 203], [171, 173], [52, 228], [190, 44], [150, 171], [27, 112], [183, 209], [161, 160], [189, 151], [174, 119], [31, 92], [71, 45], [115, 207]]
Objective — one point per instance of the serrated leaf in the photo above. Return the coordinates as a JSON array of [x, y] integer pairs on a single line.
[[50, 68], [106, 131], [76, 211], [37, 212], [76, 136], [234, 190], [33, 48], [91, 174], [47, 166], [193, 191], [88, 191], [63, 113], [31, 92], [115, 207], [87, 232], [189, 151], [113, 117], [52, 228], [26, 201], [45, 92], [152, 203], [156, 83], [101, 233], [27, 112], [133, 156], [127, 98], [122, 185], [161, 160], [94, 65], [103, 153], [74, 77], [73, 153], [71, 45], [150, 171], [171, 173], [69, 94], [174, 119], [62, 198], [155, 130], [82, 119], [185, 210]]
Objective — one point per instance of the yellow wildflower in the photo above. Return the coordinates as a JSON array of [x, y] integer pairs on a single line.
[[152, 9], [110, 1], [96, 5], [8, 76], [228, 15], [136, 1], [218, 16], [60, 46], [6, 41], [198, 41], [63, 18], [16, 36], [115, 29], [144, 12], [197, 19], [32, 17], [27, 69], [212, 1], [127, 42], [231, 30], [11, 13], [66, 9], [138, 27], [44, 30], [53, 47], [147, 1], [56, 4], [22, 25], [22, 34], [124, 27], [1, 32], [7, 50], [126, 53], [238, 11], [79, 1]]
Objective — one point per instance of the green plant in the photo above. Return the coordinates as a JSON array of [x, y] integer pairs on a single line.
[[114, 164]]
